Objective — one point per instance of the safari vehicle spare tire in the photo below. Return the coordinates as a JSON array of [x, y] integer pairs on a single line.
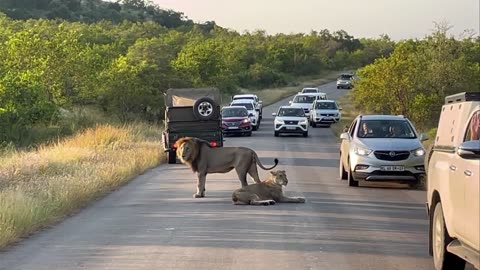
[[205, 108]]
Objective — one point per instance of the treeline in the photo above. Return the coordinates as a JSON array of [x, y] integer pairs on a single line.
[[49, 67], [415, 79]]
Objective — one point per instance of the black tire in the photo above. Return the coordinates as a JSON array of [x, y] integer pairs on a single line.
[[351, 181], [338, 87], [254, 128], [305, 134], [442, 259], [342, 173], [314, 124], [172, 157], [276, 134], [249, 134], [205, 108]]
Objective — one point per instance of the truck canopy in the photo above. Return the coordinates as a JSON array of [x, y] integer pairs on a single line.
[[187, 96]]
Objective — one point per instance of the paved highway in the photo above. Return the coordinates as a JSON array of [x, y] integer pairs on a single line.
[[154, 223]]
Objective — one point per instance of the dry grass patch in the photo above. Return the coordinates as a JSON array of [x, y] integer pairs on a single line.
[[42, 186]]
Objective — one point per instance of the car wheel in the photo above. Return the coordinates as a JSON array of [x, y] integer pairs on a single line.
[[351, 181], [442, 259], [249, 134], [254, 128], [205, 108], [172, 157], [276, 134], [305, 134], [338, 87], [343, 173]]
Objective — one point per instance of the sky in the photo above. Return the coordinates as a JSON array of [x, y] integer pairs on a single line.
[[399, 19]]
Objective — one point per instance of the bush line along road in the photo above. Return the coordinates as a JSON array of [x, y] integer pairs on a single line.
[[154, 223]]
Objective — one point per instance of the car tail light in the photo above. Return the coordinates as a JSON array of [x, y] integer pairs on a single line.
[[213, 144], [175, 145]]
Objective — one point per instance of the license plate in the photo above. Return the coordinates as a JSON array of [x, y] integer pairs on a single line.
[[232, 127], [393, 168], [292, 128]]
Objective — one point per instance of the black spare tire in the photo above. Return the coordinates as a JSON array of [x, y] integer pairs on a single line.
[[205, 108]]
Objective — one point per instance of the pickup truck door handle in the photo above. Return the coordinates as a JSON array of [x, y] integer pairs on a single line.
[[467, 173], [453, 168]]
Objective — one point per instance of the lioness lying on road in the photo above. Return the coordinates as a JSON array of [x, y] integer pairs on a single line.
[[267, 192], [203, 159]]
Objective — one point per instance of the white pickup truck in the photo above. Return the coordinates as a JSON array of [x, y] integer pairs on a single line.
[[453, 184]]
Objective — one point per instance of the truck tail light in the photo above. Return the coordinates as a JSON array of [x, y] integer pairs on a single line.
[[213, 144]]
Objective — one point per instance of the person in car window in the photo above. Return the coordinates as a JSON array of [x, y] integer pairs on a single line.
[[475, 127], [365, 131]]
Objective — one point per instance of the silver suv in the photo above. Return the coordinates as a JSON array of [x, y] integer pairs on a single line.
[[381, 148]]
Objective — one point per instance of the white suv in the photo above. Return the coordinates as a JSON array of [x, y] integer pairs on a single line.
[[324, 112], [248, 103], [290, 120], [304, 101], [453, 190]]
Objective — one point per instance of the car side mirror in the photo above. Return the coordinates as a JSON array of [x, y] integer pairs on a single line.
[[250, 115], [469, 150], [274, 114], [261, 102], [340, 108], [257, 110], [290, 102], [344, 136], [423, 137]]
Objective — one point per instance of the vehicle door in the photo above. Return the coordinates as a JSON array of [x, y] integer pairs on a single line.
[[468, 173], [345, 145]]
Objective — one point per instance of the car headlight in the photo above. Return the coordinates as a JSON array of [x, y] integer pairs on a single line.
[[246, 120], [304, 122], [337, 114], [278, 121], [418, 152], [361, 151]]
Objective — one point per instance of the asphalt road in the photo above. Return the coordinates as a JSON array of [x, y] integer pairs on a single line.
[[154, 223]]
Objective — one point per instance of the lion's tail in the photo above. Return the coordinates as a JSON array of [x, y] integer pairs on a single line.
[[261, 165]]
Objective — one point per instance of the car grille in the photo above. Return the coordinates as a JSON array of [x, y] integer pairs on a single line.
[[327, 114], [291, 122], [392, 155], [233, 124], [306, 110]]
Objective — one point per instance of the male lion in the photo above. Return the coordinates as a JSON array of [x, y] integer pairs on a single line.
[[267, 192], [203, 159]]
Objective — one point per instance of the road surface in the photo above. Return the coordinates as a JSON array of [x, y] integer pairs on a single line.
[[154, 223]]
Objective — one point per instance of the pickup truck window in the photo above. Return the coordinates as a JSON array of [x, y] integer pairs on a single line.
[[473, 129]]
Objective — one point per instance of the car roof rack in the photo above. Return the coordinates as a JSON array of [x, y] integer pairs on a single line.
[[461, 97]]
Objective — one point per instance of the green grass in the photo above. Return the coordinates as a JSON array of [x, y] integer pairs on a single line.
[[40, 187]]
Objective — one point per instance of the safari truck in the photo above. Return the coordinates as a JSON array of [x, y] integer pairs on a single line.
[[453, 184], [191, 112]]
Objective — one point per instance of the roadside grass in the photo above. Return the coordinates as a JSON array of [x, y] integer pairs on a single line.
[[40, 187], [272, 95]]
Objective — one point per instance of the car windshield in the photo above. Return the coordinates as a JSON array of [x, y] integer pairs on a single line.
[[326, 106], [234, 112], [345, 77], [385, 129], [249, 106], [310, 91], [298, 112], [304, 99]]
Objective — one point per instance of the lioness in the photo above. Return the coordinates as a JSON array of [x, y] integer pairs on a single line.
[[267, 192], [203, 159]]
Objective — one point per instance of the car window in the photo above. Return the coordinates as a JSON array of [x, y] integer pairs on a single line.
[[352, 128], [249, 106], [385, 129], [473, 128], [234, 112], [325, 106], [291, 112], [304, 99]]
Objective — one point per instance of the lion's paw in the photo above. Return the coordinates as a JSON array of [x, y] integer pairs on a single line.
[[301, 200], [272, 202], [198, 195]]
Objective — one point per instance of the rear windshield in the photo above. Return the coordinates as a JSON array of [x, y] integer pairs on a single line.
[[234, 112], [310, 91], [385, 129], [345, 77], [291, 112]]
